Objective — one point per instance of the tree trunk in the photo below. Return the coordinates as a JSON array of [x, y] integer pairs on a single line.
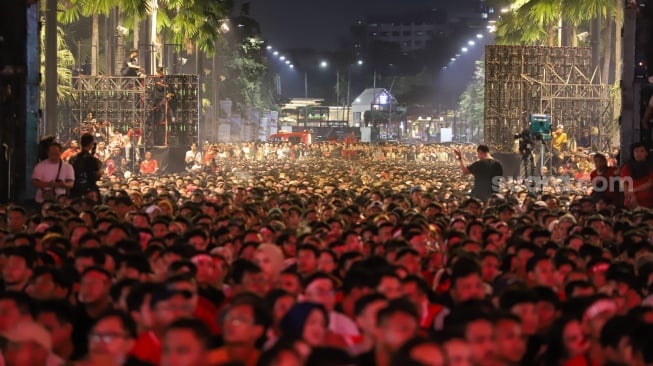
[[618, 58], [137, 30], [574, 36], [95, 41], [607, 49], [595, 40]]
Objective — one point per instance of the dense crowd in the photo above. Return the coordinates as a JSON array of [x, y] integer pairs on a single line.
[[306, 259]]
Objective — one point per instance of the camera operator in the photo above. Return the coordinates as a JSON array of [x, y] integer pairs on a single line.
[[526, 152]]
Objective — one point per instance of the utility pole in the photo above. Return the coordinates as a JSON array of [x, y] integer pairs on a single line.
[[51, 76], [338, 90], [305, 97]]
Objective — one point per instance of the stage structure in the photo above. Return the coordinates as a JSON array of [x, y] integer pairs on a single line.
[[556, 81], [162, 110]]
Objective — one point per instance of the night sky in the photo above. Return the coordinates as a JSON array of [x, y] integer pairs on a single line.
[[320, 24]]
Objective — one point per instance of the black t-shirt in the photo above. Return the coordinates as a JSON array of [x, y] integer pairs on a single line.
[[484, 172], [366, 359], [129, 71], [86, 168]]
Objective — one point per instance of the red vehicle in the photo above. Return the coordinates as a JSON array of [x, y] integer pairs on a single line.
[[305, 138]]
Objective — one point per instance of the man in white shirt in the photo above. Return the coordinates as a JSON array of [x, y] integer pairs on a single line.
[[193, 158], [52, 174]]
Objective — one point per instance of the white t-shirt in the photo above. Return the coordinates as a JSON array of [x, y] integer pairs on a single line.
[[46, 171]]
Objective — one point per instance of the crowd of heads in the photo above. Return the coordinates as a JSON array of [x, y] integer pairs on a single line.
[[365, 259]]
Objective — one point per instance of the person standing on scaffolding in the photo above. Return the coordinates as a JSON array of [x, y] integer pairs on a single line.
[[130, 67]]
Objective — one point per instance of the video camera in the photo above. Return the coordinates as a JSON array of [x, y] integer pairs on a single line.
[[525, 141]]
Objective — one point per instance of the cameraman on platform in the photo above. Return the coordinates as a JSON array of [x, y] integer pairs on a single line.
[[526, 152]]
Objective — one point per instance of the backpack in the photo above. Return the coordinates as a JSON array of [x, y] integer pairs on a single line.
[[83, 178]]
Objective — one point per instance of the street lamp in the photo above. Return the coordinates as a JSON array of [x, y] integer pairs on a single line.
[[324, 64], [282, 58], [268, 48], [464, 49]]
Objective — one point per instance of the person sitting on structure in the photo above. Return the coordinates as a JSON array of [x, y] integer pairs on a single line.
[[149, 166]]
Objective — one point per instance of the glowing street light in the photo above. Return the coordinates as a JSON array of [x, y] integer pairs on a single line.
[[471, 43], [464, 49], [360, 62], [453, 59], [282, 58], [269, 47], [479, 36], [287, 62], [324, 64], [292, 66], [276, 53]]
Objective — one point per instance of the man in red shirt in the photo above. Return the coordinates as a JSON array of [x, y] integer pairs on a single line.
[[602, 179], [149, 166]]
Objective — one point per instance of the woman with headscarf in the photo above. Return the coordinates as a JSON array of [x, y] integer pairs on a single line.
[[637, 178], [307, 321]]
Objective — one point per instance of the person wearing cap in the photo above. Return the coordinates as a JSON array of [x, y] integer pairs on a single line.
[[485, 171], [559, 143]]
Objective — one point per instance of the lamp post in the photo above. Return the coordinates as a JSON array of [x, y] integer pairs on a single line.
[[359, 63]]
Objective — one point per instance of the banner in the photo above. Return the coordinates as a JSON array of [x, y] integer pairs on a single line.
[[235, 128], [264, 127], [274, 123]]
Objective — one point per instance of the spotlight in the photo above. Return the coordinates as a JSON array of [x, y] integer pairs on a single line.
[[122, 30]]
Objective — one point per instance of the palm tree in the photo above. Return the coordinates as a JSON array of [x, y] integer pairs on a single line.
[[540, 22], [65, 63], [71, 10]]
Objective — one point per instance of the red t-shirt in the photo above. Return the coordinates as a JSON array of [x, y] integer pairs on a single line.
[[147, 348], [645, 197], [149, 166]]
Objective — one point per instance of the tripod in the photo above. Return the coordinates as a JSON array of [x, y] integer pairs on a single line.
[[527, 164]]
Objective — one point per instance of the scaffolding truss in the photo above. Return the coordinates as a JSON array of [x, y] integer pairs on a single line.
[[558, 81], [160, 110]]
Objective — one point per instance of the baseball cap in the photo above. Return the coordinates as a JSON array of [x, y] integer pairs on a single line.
[[164, 293], [29, 332], [561, 126]]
